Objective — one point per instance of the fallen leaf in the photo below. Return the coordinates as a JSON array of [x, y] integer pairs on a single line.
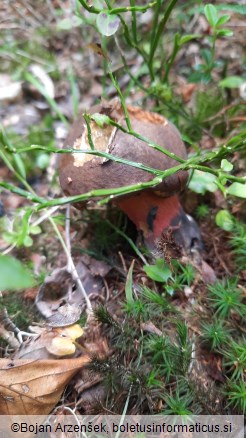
[[149, 327], [33, 387], [207, 273], [53, 291], [187, 91], [58, 290], [66, 315], [97, 48]]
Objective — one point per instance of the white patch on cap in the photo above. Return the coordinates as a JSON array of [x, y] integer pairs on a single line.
[[101, 139]]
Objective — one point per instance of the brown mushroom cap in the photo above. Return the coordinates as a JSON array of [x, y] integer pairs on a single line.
[[81, 173]]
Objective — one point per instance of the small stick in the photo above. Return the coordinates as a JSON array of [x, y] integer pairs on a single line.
[[70, 263]]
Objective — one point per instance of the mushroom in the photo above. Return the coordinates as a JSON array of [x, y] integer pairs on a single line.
[[152, 209]]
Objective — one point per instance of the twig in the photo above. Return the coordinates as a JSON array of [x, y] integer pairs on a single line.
[[68, 244], [8, 324], [9, 338], [122, 261], [74, 272], [45, 216], [67, 231], [8, 249], [223, 111]]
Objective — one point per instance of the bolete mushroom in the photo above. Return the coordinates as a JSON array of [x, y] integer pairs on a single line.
[[152, 209]]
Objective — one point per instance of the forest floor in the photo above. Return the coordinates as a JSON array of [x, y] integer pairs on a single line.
[[167, 334]]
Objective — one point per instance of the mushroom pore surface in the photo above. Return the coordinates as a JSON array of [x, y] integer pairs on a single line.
[[80, 173]]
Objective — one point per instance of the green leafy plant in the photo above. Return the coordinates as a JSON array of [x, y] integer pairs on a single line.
[[236, 394], [160, 271], [202, 211], [215, 334], [152, 380], [208, 103], [18, 232], [201, 182], [224, 220], [178, 403], [225, 297], [235, 358], [171, 357], [173, 278], [236, 189], [137, 309], [185, 274], [156, 301], [204, 70], [238, 243]]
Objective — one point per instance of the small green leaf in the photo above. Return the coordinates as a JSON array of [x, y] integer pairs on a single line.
[[128, 287], [169, 290], [107, 23], [211, 14], [9, 237], [43, 160], [224, 220], [187, 139], [158, 272], [207, 56], [69, 23], [20, 165], [35, 229], [101, 119], [224, 32], [226, 165], [186, 38], [237, 189], [223, 19], [202, 182], [13, 275], [231, 82], [27, 242]]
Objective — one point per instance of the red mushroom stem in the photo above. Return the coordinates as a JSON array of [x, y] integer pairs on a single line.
[[150, 213]]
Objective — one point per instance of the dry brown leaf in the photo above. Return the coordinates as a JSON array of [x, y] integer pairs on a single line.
[[149, 327], [54, 291], [57, 289], [207, 273], [33, 387], [97, 48]]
